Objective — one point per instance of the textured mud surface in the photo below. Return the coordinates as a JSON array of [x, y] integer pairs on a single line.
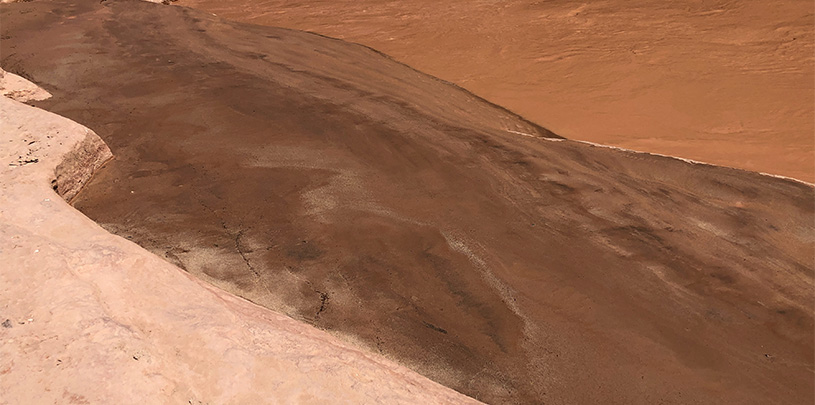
[[87, 317], [322, 179]]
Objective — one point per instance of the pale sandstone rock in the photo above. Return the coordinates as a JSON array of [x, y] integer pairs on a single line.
[[17, 88], [94, 318]]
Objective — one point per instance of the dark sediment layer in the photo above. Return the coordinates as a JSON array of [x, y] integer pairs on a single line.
[[320, 178]]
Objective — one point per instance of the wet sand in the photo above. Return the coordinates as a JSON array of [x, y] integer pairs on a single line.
[[324, 180], [725, 82]]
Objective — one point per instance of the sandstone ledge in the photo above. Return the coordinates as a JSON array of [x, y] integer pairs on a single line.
[[89, 317]]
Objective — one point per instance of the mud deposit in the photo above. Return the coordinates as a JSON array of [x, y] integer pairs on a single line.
[[324, 180]]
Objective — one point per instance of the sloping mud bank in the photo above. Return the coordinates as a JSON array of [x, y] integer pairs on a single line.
[[324, 180], [88, 317]]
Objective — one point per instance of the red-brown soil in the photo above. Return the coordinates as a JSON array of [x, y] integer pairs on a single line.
[[322, 179], [730, 82]]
